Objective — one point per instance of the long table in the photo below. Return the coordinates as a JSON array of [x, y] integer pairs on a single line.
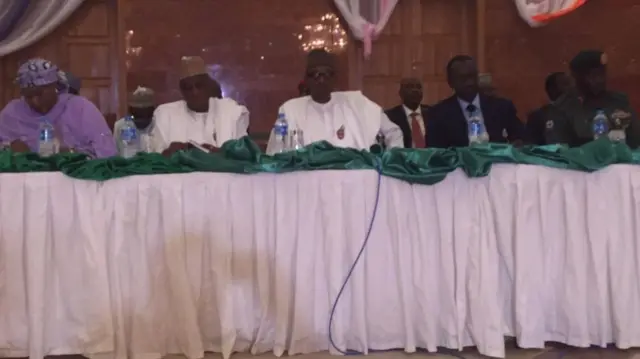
[[148, 265]]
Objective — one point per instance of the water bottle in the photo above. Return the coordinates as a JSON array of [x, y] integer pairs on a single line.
[[297, 140], [47, 145], [129, 139], [380, 140], [281, 134], [600, 125], [476, 131]]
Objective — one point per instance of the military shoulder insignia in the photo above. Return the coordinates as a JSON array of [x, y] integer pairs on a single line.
[[549, 125], [340, 132]]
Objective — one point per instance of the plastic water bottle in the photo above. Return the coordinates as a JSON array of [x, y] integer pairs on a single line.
[[380, 139], [129, 138], [476, 130], [281, 134], [297, 139], [600, 125], [47, 145]]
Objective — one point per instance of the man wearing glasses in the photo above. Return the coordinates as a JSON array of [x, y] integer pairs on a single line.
[[342, 118]]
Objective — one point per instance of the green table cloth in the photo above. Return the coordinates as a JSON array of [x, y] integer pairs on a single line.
[[422, 166]]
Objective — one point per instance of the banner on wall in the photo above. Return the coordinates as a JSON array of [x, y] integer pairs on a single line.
[[540, 12]]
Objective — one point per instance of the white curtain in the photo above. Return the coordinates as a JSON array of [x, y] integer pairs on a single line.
[[366, 18], [42, 17], [539, 12]]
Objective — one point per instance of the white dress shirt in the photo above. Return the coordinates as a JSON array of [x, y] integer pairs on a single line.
[[476, 103]]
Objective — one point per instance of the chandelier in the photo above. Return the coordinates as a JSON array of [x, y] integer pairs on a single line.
[[326, 34], [130, 51]]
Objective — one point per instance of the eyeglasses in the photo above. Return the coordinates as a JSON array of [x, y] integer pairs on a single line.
[[316, 74]]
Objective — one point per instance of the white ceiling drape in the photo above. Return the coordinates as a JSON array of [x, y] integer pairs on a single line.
[[539, 12], [41, 18], [366, 18]]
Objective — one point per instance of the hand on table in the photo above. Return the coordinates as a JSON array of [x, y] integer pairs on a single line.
[[175, 147], [210, 148], [517, 143], [66, 150], [19, 147]]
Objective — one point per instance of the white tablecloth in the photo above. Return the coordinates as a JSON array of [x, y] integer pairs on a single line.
[[149, 265]]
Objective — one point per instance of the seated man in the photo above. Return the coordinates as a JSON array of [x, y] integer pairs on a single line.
[[142, 104], [447, 124], [411, 115], [200, 117], [556, 85], [344, 119], [570, 120], [78, 123]]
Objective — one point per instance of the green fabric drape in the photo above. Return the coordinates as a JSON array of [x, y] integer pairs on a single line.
[[425, 166]]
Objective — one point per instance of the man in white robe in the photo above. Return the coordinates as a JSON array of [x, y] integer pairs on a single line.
[[200, 117], [342, 118]]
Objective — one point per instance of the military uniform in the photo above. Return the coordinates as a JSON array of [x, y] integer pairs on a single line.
[[569, 120]]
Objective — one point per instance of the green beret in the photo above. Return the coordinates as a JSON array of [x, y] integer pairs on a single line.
[[588, 60]]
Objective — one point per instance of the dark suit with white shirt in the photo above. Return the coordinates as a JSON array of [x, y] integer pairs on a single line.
[[401, 116], [447, 125]]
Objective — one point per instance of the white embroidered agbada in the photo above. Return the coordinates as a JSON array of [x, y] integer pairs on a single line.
[[174, 122], [349, 120]]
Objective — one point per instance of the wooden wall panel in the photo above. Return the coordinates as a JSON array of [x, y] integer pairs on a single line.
[[250, 46], [519, 57], [85, 45], [422, 35], [419, 39]]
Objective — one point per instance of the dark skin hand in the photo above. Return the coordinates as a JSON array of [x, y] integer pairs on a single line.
[[211, 148], [19, 147], [175, 147]]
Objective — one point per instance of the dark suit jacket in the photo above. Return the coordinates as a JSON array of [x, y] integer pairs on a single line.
[[399, 117], [447, 125], [537, 126]]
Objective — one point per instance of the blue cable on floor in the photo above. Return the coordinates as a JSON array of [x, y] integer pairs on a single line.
[[355, 262], [378, 165]]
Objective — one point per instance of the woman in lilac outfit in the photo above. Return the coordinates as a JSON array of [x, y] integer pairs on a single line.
[[78, 123]]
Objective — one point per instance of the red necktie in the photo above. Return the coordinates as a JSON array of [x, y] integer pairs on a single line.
[[416, 133]]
